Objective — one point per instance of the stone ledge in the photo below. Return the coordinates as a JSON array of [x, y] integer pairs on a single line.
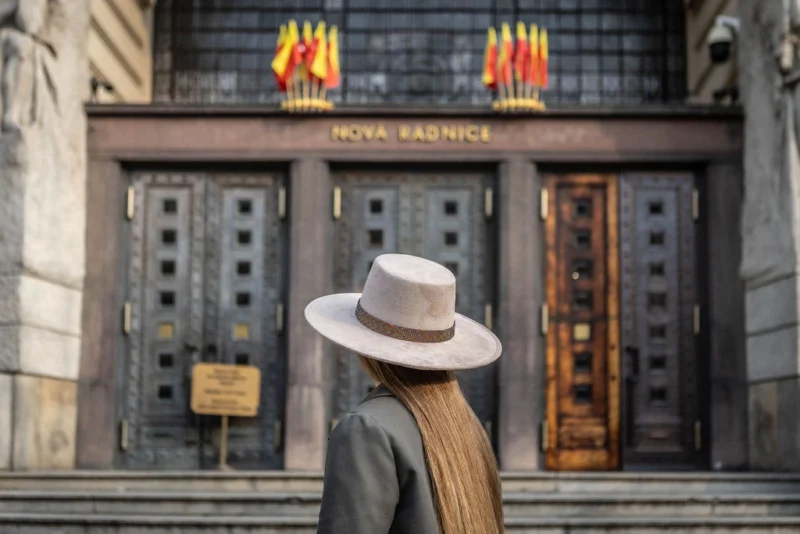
[[40, 352]]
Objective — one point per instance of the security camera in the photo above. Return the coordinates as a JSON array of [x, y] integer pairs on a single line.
[[722, 37]]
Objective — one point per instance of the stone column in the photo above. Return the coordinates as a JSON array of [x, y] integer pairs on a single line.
[[45, 80], [771, 234], [309, 236], [522, 370]]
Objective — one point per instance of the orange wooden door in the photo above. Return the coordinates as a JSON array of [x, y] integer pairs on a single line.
[[582, 327]]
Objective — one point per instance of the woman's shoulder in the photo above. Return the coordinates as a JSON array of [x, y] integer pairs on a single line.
[[380, 410]]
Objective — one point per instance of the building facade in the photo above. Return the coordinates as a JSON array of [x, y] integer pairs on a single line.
[[600, 239]]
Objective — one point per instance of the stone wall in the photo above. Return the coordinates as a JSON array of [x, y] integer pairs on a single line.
[[771, 233], [45, 82]]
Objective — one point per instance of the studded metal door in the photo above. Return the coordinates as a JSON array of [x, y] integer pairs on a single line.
[[581, 325], [438, 216], [658, 331], [203, 285]]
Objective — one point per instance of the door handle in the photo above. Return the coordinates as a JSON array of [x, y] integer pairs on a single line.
[[633, 357]]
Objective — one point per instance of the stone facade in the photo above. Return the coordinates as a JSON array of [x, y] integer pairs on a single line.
[[45, 81], [769, 72]]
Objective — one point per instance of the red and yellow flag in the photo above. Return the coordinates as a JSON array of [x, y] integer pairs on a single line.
[[333, 75], [533, 62], [281, 43], [490, 60], [287, 57], [543, 55], [317, 59], [521, 54], [506, 55], [305, 50]]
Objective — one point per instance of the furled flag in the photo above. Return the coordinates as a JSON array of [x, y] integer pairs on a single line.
[[490, 60], [506, 55], [543, 53], [281, 43], [332, 79], [305, 50], [533, 63], [317, 60], [288, 56], [521, 54]]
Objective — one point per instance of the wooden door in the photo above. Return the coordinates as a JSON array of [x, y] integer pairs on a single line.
[[582, 327], [439, 216], [203, 284], [660, 359]]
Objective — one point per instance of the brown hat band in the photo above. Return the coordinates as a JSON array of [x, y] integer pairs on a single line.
[[402, 333]]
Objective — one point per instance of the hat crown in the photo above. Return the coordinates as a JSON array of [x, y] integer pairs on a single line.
[[410, 292]]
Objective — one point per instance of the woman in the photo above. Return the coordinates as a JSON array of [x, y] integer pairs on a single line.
[[412, 457]]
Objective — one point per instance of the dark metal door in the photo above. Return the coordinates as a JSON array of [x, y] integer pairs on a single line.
[[660, 366], [203, 285], [437, 216], [582, 328]]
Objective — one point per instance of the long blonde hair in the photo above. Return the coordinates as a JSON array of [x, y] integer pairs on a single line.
[[462, 466]]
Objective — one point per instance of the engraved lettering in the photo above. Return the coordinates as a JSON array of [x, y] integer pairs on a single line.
[[431, 133], [355, 133], [404, 132], [381, 134], [419, 134], [369, 131], [486, 133], [460, 134], [472, 134]]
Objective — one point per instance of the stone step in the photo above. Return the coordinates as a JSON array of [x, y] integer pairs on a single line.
[[118, 524], [283, 481], [256, 504]]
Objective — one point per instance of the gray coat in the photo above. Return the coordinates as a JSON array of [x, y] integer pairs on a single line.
[[376, 478]]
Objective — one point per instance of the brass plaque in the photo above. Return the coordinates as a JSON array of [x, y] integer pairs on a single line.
[[582, 332], [166, 331], [219, 389], [241, 331]]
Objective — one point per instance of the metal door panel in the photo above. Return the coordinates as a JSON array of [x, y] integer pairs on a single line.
[[165, 285], [204, 284], [438, 216], [243, 280], [658, 296]]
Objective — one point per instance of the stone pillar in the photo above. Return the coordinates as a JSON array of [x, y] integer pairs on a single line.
[[309, 237], [45, 80], [771, 234], [520, 285], [728, 370]]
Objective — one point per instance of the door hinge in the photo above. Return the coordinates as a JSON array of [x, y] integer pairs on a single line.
[[696, 319], [488, 203], [488, 315], [130, 203], [123, 435], [337, 203], [544, 320], [544, 203], [281, 203], [544, 437], [698, 435], [126, 318], [279, 316], [695, 204], [277, 438]]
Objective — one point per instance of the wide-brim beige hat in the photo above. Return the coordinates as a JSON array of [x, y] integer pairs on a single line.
[[405, 316]]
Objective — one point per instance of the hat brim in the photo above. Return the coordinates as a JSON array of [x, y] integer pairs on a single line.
[[472, 346]]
